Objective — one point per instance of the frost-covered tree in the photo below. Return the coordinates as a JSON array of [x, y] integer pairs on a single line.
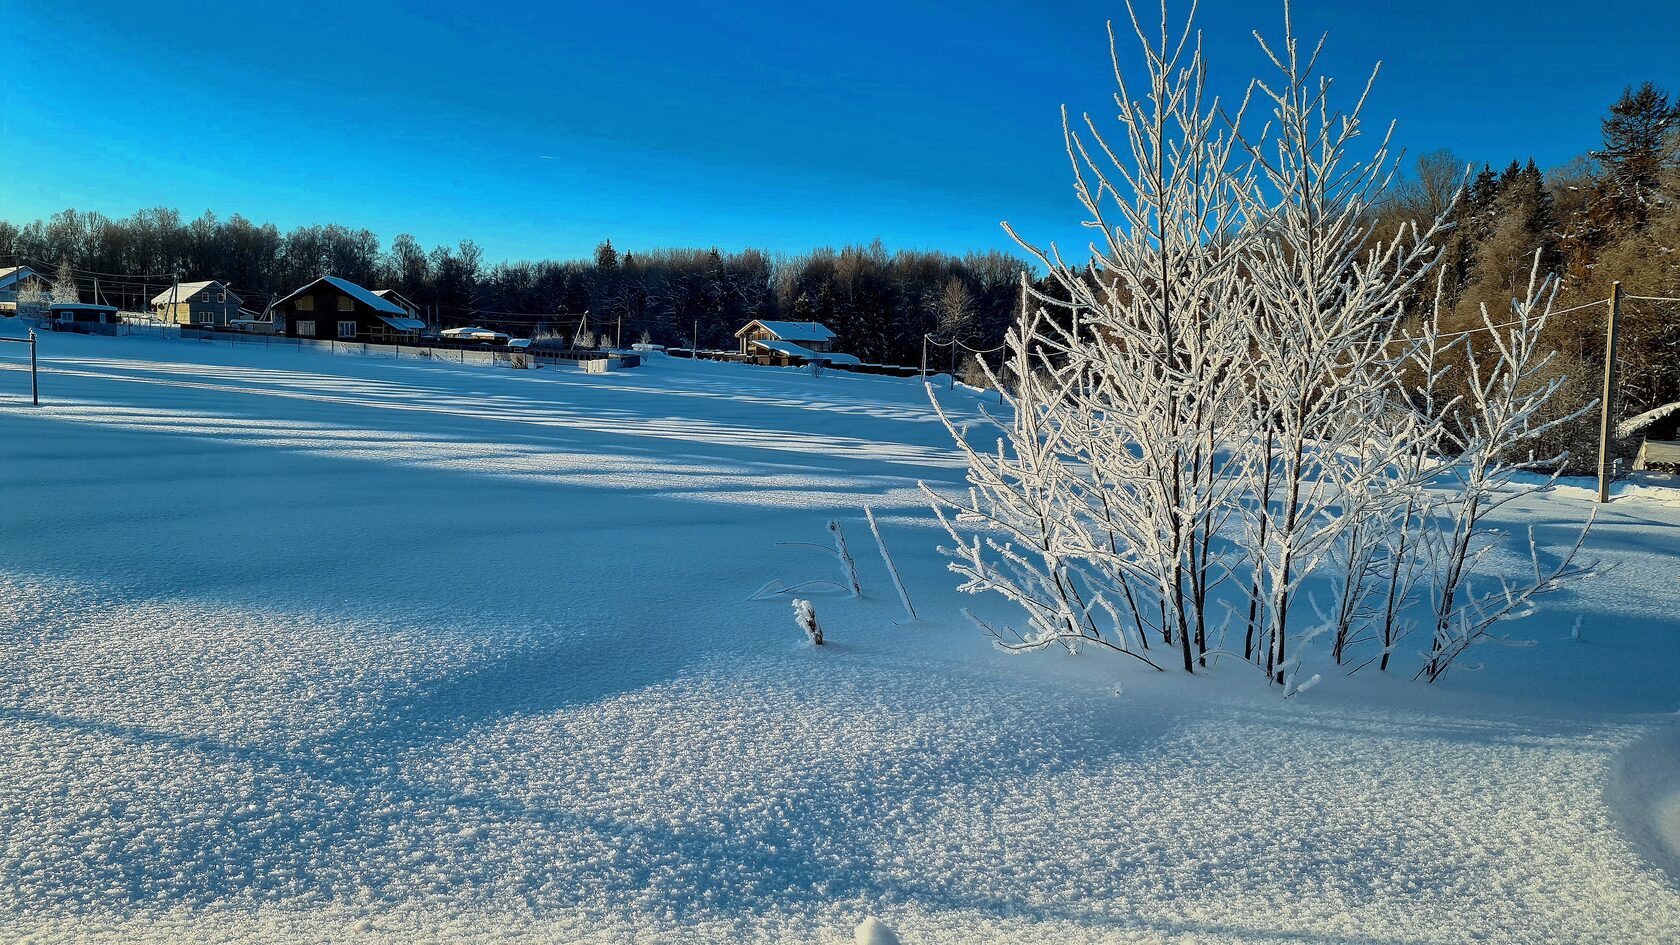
[[64, 286], [1122, 475], [1492, 428], [1217, 418], [32, 300]]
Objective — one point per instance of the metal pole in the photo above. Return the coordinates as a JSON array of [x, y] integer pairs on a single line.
[[694, 352], [34, 378], [924, 357], [1606, 402]]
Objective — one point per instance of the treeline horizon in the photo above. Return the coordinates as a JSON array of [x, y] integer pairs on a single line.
[[1610, 214], [879, 303]]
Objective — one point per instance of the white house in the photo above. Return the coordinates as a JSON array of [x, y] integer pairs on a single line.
[[12, 278]]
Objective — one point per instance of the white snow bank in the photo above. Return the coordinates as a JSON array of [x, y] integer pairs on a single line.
[[1644, 792]]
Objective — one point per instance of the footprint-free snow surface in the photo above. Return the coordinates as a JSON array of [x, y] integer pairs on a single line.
[[302, 648]]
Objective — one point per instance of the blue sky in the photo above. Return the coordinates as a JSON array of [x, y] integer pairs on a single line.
[[539, 129]]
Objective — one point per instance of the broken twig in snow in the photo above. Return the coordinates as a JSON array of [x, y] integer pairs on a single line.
[[806, 616], [898, 582]]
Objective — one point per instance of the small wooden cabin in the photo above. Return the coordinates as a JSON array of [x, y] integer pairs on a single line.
[[811, 336], [197, 303], [789, 343], [334, 309], [82, 313]]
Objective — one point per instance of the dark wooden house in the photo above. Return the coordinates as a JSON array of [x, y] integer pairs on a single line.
[[334, 309]]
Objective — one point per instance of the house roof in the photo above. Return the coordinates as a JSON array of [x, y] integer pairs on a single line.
[[1651, 421], [81, 305], [800, 351], [392, 295], [184, 291], [792, 331], [403, 324], [485, 334], [353, 290], [11, 275]]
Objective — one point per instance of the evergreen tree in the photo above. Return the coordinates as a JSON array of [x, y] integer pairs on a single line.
[[606, 258], [1636, 149]]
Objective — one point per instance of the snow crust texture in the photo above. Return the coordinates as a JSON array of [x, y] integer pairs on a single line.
[[307, 649]]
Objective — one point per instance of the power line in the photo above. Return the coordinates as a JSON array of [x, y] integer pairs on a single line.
[[41, 265], [965, 345]]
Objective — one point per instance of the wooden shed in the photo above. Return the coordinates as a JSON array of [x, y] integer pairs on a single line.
[[82, 313]]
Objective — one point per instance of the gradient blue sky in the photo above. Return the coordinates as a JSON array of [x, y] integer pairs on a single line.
[[539, 129]]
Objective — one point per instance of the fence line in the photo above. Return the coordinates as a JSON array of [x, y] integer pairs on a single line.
[[393, 351]]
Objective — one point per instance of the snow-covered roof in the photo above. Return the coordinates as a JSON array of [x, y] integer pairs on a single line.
[[14, 274], [792, 331], [83, 306], [481, 334], [1633, 425], [186, 290], [785, 347], [403, 324], [353, 290], [392, 295], [800, 351]]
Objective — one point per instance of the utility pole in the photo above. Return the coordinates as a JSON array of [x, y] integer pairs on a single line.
[[924, 357], [34, 376], [618, 336], [694, 352], [1607, 401]]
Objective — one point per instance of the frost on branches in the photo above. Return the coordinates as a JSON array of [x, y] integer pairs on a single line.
[[1228, 437]]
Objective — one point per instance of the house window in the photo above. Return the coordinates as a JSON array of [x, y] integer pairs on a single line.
[[204, 318], [221, 296], [346, 329], [206, 296], [346, 304], [306, 329], [306, 303]]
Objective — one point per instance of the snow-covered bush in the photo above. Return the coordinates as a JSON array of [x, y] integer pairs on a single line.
[[32, 300], [1219, 417]]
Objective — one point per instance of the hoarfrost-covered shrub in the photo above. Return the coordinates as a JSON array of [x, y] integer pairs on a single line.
[[1223, 442]]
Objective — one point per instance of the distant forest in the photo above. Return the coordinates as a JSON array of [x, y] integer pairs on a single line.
[[879, 303], [1610, 214]]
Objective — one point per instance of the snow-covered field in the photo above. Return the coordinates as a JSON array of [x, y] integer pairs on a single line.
[[296, 648]]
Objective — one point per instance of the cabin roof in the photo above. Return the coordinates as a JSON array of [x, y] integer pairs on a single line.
[[792, 331], [379, 305], [184, 291]]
